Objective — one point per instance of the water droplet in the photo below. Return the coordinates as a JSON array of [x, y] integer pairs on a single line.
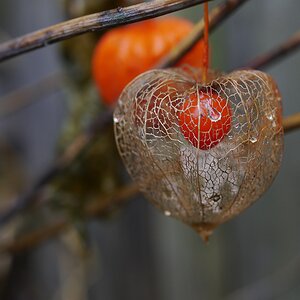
[[253, 139], [167, 213], [270, 117], [237, 126], [273, 124], [214, 115], [116, 120]]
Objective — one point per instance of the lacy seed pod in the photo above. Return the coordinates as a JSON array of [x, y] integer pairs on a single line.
[[202, 153]]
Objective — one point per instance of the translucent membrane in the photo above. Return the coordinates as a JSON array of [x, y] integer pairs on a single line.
[[203, 188]]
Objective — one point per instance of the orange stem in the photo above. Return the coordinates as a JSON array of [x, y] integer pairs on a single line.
[[206, 42]]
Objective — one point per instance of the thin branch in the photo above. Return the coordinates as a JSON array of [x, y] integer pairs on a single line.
[[24, 96], [95, 208], [216, 16], [282, 51], [34, 238], [89, 23], [291, 123]]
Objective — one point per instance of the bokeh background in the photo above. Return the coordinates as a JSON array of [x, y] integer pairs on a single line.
[[135, 252]]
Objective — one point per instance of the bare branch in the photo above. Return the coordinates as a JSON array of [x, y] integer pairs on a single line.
[[282, 51], [35, 237], [24, 96], [291, 123], [95, 208], [89, 23], [216, 16]]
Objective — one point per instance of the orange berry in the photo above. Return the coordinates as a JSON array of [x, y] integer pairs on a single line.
[[125, 52], [205, 119]]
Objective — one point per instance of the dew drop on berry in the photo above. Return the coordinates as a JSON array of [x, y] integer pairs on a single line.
[[214, 115]]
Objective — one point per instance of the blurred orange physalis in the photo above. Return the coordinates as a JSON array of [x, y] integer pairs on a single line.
[[204, 119], [125, 52]]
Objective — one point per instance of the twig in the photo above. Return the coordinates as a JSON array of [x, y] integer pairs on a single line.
[[216, 16], [291, 123], [93, 209], [24, 96], [34, 238], [276, 54], [89, 23]]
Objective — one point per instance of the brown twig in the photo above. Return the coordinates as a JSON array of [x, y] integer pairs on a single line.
[[276, 54], [291, 123], [34, 238], [93, 209], [216, 16], [24, 96], [89, 23]]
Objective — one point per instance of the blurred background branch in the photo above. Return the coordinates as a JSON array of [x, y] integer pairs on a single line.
[[22, 97], [291, 123], [93, 209], [280, 52]]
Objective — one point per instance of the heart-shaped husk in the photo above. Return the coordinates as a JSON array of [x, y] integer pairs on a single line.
[[202, 188]]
